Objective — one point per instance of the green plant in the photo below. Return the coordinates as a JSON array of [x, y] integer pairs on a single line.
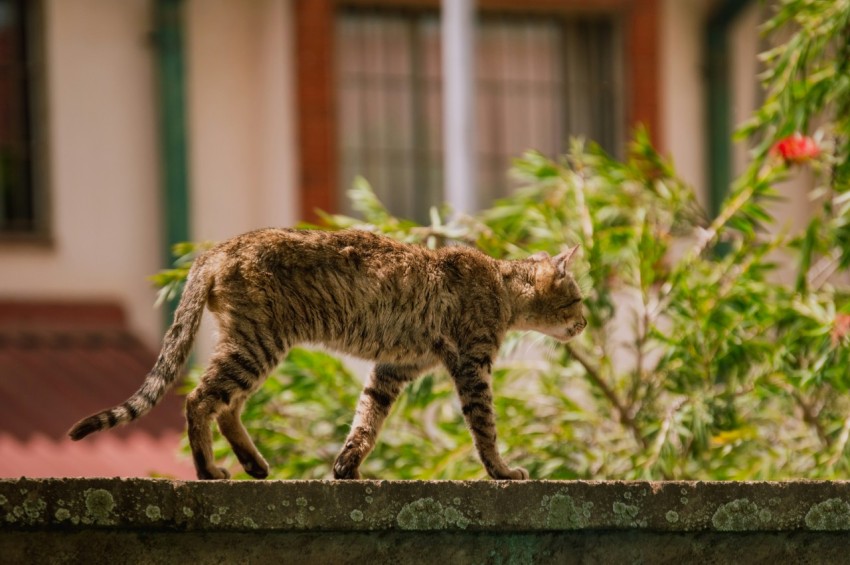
[[701, 359]]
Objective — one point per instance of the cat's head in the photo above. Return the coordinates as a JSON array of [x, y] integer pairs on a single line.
[[554, 305]]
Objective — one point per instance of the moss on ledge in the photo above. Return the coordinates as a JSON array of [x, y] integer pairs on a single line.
[[533, 518]]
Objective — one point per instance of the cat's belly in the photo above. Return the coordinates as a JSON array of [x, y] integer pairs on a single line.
[[413, 352]]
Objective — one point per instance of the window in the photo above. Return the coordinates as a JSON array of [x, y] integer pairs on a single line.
[[20, 206], [540, 80]]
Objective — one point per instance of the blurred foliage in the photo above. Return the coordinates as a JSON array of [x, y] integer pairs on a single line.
[[170, 281], [715, 349]]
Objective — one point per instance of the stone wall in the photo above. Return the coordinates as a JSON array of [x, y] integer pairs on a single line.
[[162, 521]]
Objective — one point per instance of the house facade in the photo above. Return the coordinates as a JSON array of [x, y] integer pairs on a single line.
[[126, 126]]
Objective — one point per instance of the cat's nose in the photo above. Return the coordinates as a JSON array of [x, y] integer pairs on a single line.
[[580, 325]]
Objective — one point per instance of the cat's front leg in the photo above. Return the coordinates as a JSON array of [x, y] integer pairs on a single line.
[[381, 390], [472, 380]]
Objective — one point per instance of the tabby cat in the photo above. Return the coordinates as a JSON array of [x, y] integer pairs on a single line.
[[404, 306]]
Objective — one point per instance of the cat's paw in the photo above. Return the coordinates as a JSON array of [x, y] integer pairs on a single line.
[[347, 463], [515, 474], [347, 476], [253, 463], [518, 474], [258, 469], [345, 472], [214, 474]]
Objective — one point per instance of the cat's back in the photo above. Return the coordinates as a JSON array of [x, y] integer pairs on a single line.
[[344, 251], [356, 291], [342, 254]]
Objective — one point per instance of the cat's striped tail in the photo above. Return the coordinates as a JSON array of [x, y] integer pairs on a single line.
[[175, 351]]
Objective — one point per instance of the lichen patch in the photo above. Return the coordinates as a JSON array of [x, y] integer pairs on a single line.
[[626, 515], [740, 515], [153, 512], [831, 515], [99, 505], [33, 509], [429, 514], [672, 516], [564, 513], [422, 514]]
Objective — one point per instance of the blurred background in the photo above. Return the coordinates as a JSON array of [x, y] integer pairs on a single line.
[[127, 126]]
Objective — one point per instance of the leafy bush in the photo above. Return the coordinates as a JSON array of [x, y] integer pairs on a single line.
[[701, 359]]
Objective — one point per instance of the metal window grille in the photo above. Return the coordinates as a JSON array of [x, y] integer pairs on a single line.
[[18, 204], [539, 81]]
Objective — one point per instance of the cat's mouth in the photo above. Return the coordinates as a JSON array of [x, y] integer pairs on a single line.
[[566, 334]]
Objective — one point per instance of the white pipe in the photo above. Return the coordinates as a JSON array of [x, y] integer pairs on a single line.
[[458, 33]]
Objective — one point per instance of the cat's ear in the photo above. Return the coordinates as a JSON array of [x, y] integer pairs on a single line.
[[563, 259], [539, 256]]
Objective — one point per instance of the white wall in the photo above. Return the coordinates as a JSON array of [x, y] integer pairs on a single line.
[[241, 124], [102, 154], [745, 44], [683, 89], [103, 145]]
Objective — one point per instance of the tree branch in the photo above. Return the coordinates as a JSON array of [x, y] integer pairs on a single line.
[[810, 413], [838, 449], [663, 432], [623, 414]]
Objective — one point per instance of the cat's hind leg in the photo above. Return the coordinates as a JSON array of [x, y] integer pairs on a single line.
[[381, 390], [231, 427], [230, 376]]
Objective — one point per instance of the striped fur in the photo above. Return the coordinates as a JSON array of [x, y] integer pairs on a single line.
[[406, 307], [177, 345]]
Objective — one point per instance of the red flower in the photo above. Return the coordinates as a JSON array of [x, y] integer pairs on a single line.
[[840, 328], [796, 149]]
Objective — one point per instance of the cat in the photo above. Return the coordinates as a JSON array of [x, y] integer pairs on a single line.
[[406, 307]]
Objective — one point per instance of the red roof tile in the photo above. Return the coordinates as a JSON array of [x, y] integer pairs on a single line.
[[104, 455], [62, 362]]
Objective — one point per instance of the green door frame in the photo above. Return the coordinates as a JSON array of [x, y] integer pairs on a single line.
[[719, 97], [169, 17]]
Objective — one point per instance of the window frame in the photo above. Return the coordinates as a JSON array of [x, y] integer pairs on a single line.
[[316, 87], [36, 141]]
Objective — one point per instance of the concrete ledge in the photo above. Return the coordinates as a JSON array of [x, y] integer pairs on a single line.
[[156, 520]]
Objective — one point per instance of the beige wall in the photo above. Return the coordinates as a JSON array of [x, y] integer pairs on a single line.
[[683, 89], [241, 125], [745, 43], [104, 146], [102, 158]]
